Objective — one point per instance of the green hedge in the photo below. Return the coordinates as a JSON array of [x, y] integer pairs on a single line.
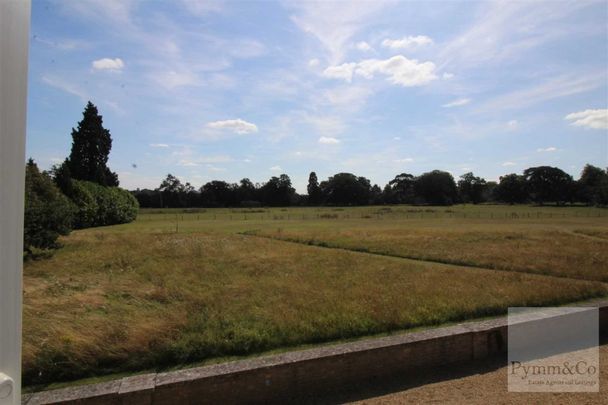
[[99, 206], [48, 213]]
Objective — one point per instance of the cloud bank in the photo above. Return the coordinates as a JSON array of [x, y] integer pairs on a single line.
[[594, 119]]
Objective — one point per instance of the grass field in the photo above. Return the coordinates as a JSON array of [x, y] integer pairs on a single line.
[[549, 250], [175, 287]]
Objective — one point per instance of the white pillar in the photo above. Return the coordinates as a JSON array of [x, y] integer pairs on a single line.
[[14, 41]]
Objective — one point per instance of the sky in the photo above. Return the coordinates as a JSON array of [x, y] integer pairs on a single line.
[[210, 90]]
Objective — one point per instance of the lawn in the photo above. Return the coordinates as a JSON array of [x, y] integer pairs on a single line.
[[176, 288]]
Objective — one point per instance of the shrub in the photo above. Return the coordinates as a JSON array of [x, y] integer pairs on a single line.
[[100, 206], [48, 213], [86, 205]]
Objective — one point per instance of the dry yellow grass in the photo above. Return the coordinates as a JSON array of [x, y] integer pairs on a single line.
[[110, 302], [594, 233], [141, 296], [548, 250]]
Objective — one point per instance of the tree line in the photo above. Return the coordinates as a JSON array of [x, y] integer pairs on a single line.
[[79, 193], [538, 185]]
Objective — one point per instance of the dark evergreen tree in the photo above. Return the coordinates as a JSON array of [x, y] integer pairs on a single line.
[[63, 178], [91, 145], [314, 191]]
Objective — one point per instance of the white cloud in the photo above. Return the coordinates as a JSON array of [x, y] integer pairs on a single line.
[[113, 65], [409, 42], [506, 164], [314, 62], [404, 160], [447, 76], [595, 119], [159, 145], [343, 71], [363, 46], [398, 69], [327, 140], [276, 168], [238, 126], [334, 23], [396, 138], [457, 103], [549, 149]]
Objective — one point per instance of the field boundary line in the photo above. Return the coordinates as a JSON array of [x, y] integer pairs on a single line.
[[326, 245]]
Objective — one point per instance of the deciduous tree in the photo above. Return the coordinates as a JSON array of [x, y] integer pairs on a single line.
[[471, 188], [436, 187], [546, 183], [511, 189]]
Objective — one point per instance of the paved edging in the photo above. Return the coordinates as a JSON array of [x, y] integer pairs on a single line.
[[298, 374]]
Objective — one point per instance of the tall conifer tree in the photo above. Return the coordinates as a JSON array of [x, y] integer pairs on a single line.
[[91, 145]]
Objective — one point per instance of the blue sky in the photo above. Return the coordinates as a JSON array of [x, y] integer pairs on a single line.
[[225, 90]]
